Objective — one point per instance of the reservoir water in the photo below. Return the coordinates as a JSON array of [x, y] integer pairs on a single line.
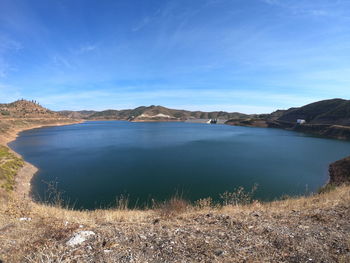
[[94, 163]]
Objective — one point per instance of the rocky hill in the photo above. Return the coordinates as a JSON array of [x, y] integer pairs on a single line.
[[152, 113], [328, 118], [339, 172], [24, 114], [334, 111], [25, 109]]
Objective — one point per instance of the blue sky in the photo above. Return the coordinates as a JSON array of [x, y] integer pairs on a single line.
[[252, 56]]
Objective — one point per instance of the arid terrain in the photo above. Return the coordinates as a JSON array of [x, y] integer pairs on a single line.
[[311, 228]]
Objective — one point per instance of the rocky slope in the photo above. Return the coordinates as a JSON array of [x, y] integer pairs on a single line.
[[327, 118], [305, 229], [339, 172], [329, 112]]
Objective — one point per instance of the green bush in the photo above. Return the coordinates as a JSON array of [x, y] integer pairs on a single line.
[[9, 166]]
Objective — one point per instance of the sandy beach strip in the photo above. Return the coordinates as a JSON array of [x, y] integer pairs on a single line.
[[26, 173]]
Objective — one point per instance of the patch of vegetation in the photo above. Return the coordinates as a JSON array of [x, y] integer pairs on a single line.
[[5, 112], [239, 196], [326, 189], [9, 166], [205, 203], [176, 205]]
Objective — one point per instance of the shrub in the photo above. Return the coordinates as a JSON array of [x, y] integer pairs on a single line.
[[239, 196], [176, 205], [122, 202], [204, 203]]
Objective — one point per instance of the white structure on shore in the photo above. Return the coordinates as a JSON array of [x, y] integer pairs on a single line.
[[301, 121]]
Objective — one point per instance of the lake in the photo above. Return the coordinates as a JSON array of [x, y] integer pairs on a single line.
[[96, 162]]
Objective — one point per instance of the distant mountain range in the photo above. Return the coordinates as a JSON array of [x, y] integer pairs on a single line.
[[320, 117], [152, 113]]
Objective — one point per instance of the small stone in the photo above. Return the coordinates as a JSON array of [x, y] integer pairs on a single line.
[[143, 237], [25, 219], [218, 252], [79, 238], [257, 214]]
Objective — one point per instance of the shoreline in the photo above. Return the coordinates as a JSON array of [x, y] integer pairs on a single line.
[[25, 175]]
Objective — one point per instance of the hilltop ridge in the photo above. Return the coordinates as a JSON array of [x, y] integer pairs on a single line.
[[332, 112], [328, 118], [24, 114], [25, 109]]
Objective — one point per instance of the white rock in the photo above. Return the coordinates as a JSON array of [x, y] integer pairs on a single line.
[[25, 219], [143, 237], [79, 238]]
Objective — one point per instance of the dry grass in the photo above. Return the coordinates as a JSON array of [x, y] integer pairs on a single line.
[[293, 230], [172, 207]]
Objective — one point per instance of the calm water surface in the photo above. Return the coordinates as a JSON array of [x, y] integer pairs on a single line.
[[95, 162]]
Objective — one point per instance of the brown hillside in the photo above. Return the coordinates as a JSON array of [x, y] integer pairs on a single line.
[[25, 109]]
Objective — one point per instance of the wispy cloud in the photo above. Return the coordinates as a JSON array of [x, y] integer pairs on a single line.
[[180, 99], [143, 23], [61, 61], [271, 2], [87, 48], [7, 47], [9, 93], [262, 53]]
